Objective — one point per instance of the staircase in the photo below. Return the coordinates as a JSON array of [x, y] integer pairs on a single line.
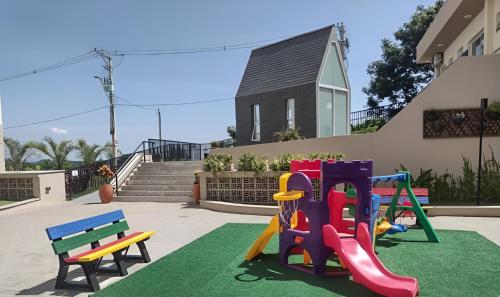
[[160, 182]]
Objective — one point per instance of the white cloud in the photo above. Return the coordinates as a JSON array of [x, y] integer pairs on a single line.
[[58, 130]]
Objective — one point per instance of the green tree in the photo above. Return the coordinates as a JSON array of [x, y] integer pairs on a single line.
[[89, 153], [17, 154], [231, 131], [56, 152], [397, 77], [108, 151]]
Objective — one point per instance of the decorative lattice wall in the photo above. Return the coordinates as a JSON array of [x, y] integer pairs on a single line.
[[465, 122], [247, 190], [16, 189]]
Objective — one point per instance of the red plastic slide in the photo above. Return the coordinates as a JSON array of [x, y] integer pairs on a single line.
[[358, 256]]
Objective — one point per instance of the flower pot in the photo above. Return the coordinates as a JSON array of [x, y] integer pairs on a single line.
[[196, 193], [106, 193]]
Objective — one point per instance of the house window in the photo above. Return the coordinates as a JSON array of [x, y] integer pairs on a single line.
[[290, 113], [255, 122], [477, 45]]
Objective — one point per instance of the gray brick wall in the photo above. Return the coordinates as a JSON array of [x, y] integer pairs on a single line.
[[273, 113]]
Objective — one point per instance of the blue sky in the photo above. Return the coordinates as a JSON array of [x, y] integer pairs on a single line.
[[38, 33]]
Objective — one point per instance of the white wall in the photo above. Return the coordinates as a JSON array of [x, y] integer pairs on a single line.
[[463, 39]]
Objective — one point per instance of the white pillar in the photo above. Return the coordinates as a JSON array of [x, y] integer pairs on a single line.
[[2, 151], [489, 27]]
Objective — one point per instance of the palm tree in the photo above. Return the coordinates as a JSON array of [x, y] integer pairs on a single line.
[[108, 151], [89, 153], [56, 152], [18, 154]]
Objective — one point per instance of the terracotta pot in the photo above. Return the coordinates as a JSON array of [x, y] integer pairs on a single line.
[[196, 193], [106, 193]]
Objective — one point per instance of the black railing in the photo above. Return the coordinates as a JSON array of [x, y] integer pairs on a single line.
[[169, 150], [371, 114], [85, 178]]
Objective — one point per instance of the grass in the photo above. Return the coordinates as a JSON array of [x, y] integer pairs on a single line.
[[463, 264], [5, 202]]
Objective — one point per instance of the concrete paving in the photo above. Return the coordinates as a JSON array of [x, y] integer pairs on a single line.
[[29, 266]]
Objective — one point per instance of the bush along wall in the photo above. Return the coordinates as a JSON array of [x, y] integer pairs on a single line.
[[447, 188], [253, 183]]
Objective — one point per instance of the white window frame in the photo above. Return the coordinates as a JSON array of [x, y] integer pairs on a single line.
[[255, 122], [473, 40], [290, 113]]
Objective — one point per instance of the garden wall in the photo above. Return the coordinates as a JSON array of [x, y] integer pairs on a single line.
[[401, 140]]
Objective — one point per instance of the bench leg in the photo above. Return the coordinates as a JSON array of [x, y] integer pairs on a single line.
[[144, 257], [61, 276], [120, 263], [144, 252], [90, 274]]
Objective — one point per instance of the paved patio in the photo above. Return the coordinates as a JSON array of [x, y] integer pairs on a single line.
[[29, 267]]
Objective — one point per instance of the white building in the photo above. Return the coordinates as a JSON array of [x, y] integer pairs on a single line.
[[461, 28]]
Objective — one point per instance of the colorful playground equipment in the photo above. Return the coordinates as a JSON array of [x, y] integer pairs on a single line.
[[314, 225], [408, 204]]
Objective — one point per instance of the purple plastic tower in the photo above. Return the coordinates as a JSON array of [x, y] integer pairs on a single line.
[[358, 174]]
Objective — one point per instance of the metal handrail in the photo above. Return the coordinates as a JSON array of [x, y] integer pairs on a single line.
[[143, 144]]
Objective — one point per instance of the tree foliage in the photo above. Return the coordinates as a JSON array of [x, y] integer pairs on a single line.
[[17, 154], [89, 153], [57, 153], [397, 77]]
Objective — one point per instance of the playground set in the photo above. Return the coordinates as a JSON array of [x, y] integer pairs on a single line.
[[315, 227]]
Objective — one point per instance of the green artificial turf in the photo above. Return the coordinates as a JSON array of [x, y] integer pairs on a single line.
[[463, 264], [5, 202]]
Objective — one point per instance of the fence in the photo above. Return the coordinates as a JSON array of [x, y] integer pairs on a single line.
[[85, 178], [384, 113]]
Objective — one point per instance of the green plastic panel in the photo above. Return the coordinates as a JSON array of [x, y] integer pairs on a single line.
[[79, 240]]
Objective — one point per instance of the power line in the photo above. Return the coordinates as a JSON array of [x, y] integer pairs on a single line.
[[56, 119], [132, 104], [138, 52], [219, 48], [74, 60], [179, 103]]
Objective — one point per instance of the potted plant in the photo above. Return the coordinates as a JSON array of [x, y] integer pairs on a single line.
[[106, 190], [493, 111], [196, 187]]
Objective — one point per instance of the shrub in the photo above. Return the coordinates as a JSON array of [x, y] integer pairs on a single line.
[[368, 126], [326, 156], [288, 135], [283, 162], [217, 163], [448, 188], [251, 162]]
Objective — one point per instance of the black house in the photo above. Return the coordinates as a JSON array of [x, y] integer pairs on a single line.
[[301, 83]]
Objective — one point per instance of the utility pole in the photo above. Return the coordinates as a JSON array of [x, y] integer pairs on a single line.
[[159, 134], [107, 84]]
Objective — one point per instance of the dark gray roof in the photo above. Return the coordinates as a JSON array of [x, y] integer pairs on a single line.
[[290, 62]]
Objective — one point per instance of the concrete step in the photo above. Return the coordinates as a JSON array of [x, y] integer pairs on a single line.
[[174, 187], [164, 199], [161, 171], [167, 181], [174, 164], [178, 178], [153, 193]]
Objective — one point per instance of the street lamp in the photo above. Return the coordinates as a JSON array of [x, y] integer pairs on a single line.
[[484, 105]]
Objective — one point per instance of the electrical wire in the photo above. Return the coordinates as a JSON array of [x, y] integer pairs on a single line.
[[138, 52], [56, 119], [179, 103], [78, 59], [132, 104]]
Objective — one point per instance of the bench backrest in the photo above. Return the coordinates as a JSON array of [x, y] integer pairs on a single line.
[[69, 236]]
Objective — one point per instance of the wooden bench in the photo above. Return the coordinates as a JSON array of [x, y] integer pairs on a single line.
[[73, 235], [386, 195]]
